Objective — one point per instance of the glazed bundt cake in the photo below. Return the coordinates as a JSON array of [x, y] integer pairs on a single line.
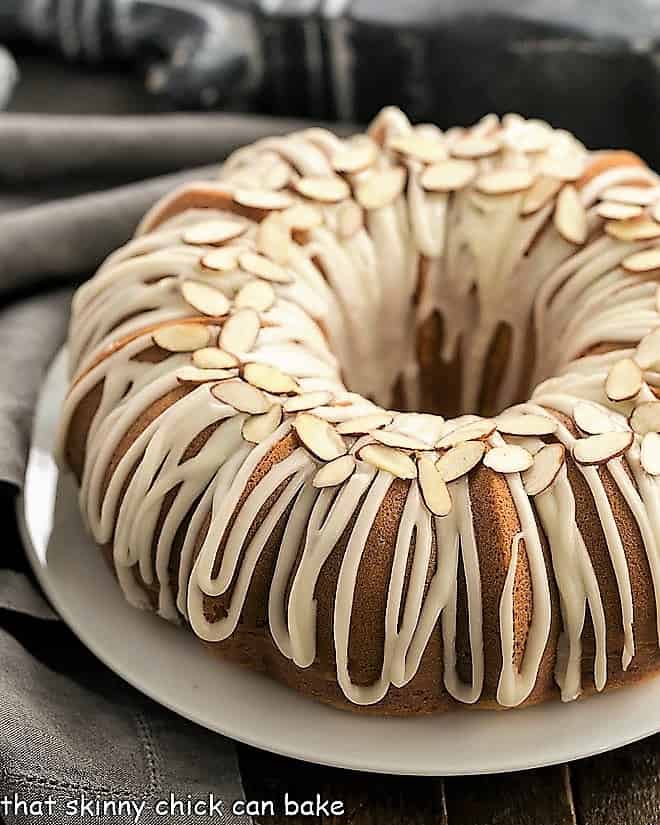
[[230, 417]]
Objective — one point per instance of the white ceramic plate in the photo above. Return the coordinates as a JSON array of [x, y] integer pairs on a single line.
[[168, 665]]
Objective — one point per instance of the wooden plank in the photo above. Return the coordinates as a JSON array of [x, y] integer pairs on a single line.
[[621, 787], [539, 797], [367, 799]]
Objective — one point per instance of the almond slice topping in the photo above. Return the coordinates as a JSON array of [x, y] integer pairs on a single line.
[[474, 146], [380, 189], [614, 211], [645, 418], [257, 428], [196, 375], [335, 472], [624, 380], [274, 238], [257, 295], [214, 358], [474, 431], [355, 157], [570, 216], [182, 337], [448, 175], [504, 181], [319, 436], [264, 268], [364, 424], [634, 229], [308, 401], [460, 459], [303, 216], [392, 438], [221, 260], [262, 199], [419, 147], [650, 453], [599, 449], [591, 418], [645, 261], [634, 195], [545, 469], [242, 396], [213, 233], [269, 379], [350, 219], [433, 487], [513, 423], [205, 298], [542, 191], [389, 459], [240, 331], [323, 188], [647, 353], [508, 459]]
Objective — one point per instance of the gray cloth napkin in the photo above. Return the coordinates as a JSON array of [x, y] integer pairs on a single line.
[[71, 733]]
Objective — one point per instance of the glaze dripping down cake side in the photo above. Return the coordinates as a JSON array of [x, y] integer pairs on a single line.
[[234, 370]]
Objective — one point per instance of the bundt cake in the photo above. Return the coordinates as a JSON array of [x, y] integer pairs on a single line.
[[230, 419]]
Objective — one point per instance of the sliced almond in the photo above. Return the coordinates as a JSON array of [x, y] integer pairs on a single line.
[[257, 428], [264, 268], [647, 353], [319, 436], [308, 401], [303, 216], [323, 188], [513, 423], [392, 438], [196, 375], [433, 487], [614, 211], [214, 358], [645, 418], [205, 298], [624, 380], [240, 331], [269, 378], [591, 418], [474, 431], [474, 146], [350, 219], [335, 472], [543, 472], [355, 157], [650, 453], [380, 189], [389, 459], [570, 216], [262, 199], [635, 229], [221, 260], [508, 459], [213, 233], [241, 396], [274, 238], [257, 295], [504, 181], [531, 443], [365, 424], [599, 449], [635, 195], [419, 147], [182, 337], [645, 261], [542, 191], [448, 175], [459, 460]]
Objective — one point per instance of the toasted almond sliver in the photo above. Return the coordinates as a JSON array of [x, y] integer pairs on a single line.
[[614, 211], [513, 423], [240, 331], [274, 238], [221, 260], [323, 188], [504, 181], [542, 191], [433, 487], [257, 428], [448, 175], [365, 423], [599, 449], [269, 378], [570, 216], [262, 199], [645, 261], [308, 401], [647, 353], [419, 147], [182, 337], [591, 418], [459, 460], [392, 438], [547, 464], [257, 295], [213, 233], [389, 459], [508, 459], [624, 380], [645, 418], [242, 396], [196, 375], [635, 229], [205, 298], [264, 268], [214, 358], [474, 431], [650, 453], [319, 436], [381, 188], [335, 472]]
